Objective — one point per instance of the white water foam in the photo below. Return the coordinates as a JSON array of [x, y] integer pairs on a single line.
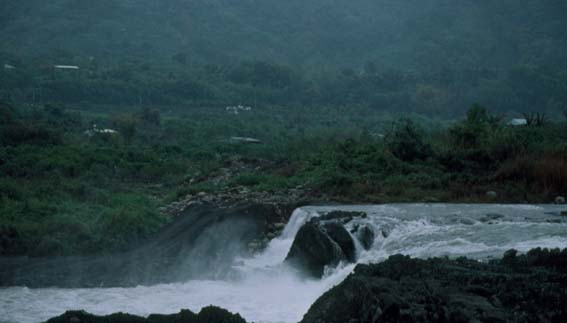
[[269, 291]]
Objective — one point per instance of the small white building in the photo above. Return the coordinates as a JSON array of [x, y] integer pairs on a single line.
[[246, 140], [517, 122], [66, 67], [95, 131], [237, 109]]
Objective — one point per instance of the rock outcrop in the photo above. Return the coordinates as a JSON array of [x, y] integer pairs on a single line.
[[527, 288], [323, 241], [365, 234], [207, 315]]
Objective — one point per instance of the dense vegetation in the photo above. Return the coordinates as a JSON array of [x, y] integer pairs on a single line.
[[326, 83], [434, 56], [68, 188], [428, 34]]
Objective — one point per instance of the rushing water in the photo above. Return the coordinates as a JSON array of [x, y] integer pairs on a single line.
[[264, 290]]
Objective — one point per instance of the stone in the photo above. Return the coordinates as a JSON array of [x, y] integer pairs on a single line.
[[366, 236], [491, 194], [467, 221], [279, 226], [491, 217], [340, 235], [208, 314], [342, 216], [510, 256], [385, 231], [560, 200], [319, 244]]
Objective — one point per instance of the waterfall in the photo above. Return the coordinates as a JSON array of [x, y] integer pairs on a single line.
[[267, 291]]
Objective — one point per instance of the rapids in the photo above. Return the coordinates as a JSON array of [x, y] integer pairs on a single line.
[[262, 289]]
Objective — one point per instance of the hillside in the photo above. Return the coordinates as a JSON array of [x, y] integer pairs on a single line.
[[312, 32], [431, 57]]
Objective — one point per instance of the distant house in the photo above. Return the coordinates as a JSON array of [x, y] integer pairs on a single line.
[[245, 140], [237, 109], [517, 122], [95, 131], [9, 67], [66, 67]]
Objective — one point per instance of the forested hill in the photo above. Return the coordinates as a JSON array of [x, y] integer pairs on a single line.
[[416, 33], [427, 56]]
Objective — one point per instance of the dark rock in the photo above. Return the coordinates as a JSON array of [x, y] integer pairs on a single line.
[[9, 241], [340, 235], [208, 314], [510, 257], [466, 221], [342, 216], [385, 231], [319, 244], [548, 258], [313, 249], [366, 236], [491, 217], [518, 288]]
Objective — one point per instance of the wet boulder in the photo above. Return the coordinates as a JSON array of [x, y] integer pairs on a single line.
[[340, 236], [343, 217], [208, 314], [365, 234], [491, 217], [319, 244]]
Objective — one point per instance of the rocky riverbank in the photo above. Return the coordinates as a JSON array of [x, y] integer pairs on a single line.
[[207, 315], [526, 288]]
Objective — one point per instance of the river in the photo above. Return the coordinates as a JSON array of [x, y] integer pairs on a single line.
[[264, 290]]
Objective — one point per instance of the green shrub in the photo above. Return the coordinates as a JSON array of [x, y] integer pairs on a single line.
[[406, 141], [9, 189], [7, 114], [19, 134], [249, 179], [126, 125]]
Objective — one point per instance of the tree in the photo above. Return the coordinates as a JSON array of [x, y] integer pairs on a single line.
[[149, 117], [535, 118], [7, 114], [126, 126], [479, 123], [405, 141]]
